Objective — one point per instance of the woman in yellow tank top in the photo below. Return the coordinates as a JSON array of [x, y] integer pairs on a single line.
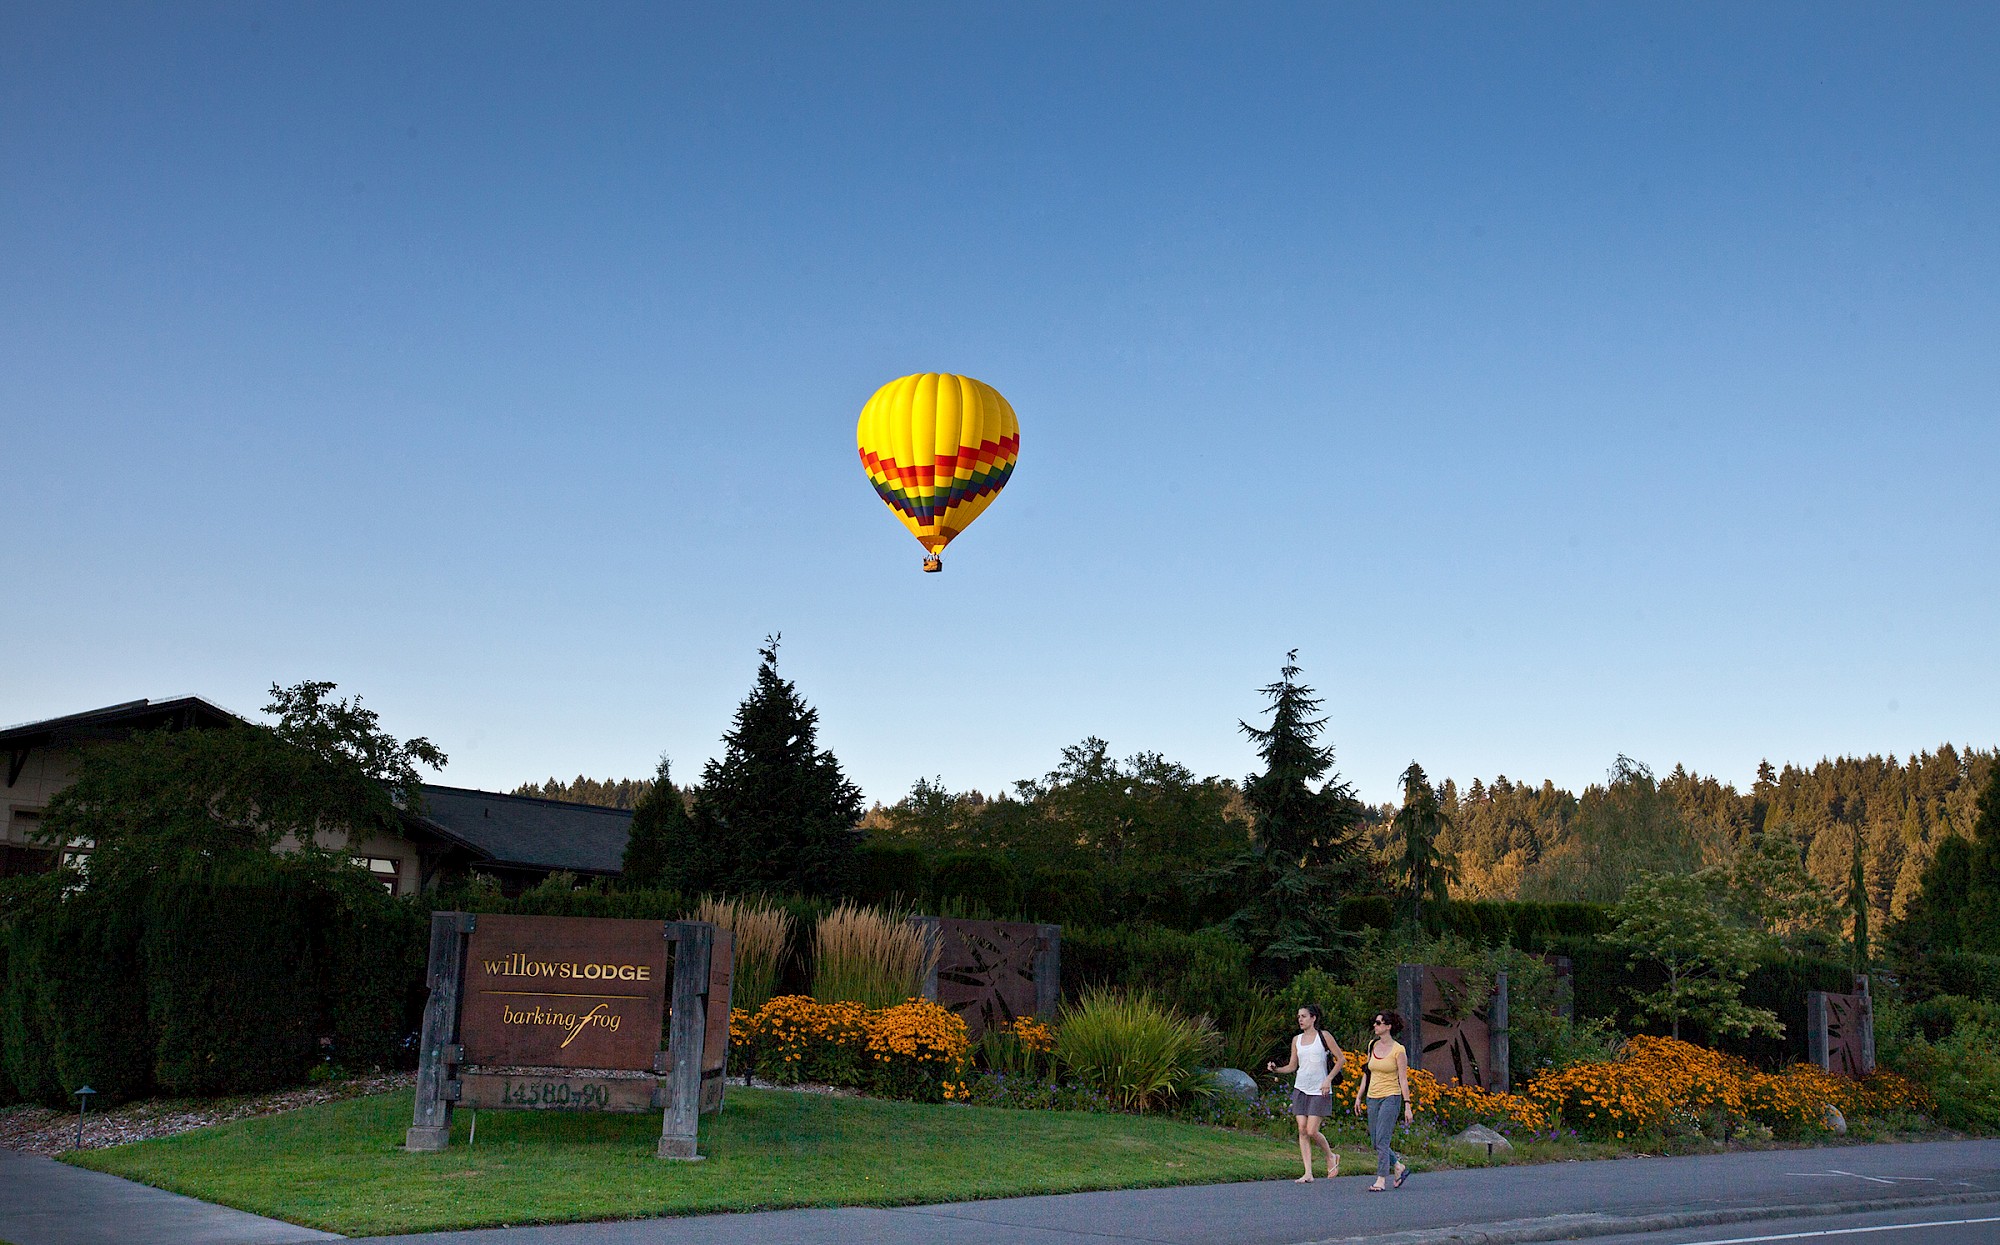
[[1386, 1090]]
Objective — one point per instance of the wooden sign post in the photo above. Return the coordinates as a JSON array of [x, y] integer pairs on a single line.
[[565, 1014]]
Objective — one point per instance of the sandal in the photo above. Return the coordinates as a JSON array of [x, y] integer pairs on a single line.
[[1402, 1174], [1333, 1168], [1305, 1179], [1375, 1188]]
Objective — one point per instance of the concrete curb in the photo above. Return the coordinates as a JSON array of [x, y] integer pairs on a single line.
[[1576, 1227]]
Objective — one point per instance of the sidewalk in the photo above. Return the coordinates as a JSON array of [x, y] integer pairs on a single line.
[[47, 1203], [43, 1202]]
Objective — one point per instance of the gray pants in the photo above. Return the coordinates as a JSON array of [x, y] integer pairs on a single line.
[[1382, 1116]]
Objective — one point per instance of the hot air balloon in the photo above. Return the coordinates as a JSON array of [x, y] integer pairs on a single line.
[[938, 449]]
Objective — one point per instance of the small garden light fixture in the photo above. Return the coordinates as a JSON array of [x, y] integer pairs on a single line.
[[82, 1109]]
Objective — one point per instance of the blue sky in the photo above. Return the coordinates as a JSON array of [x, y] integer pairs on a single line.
[[1561, 381]]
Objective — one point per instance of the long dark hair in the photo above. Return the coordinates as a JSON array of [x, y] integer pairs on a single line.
[[1393, 1019], [1319, 1017]]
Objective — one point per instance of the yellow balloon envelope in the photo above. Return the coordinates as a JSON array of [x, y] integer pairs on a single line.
[[938, 449]]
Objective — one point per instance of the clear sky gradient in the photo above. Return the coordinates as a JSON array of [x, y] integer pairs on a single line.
[[1561, 381]]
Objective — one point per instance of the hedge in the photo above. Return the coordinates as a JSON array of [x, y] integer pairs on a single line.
[[227, 980], [231, 968], [73, 1007]]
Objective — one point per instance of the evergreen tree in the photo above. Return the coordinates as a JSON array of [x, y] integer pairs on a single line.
[[1857, 904], [776, 812], [1982, 913], [663, 844], [1308, 834], [1428, 867]]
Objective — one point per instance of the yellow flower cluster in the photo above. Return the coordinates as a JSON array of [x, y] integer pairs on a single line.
[[1459, 1105], [1656, 1079], [1033, 1034], [918, 1030], [785, 1027]]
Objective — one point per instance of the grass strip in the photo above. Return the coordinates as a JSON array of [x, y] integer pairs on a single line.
[[339, 1166]]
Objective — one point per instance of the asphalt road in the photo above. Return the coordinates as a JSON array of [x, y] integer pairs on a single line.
[[1935, 1225], [1569, 1198]]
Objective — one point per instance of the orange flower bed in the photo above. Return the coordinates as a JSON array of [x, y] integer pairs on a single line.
[[1658, 1084], [914, 1049]]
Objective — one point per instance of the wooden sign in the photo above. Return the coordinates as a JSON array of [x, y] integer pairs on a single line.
[[516, 1001], [517, 1091], [565, 992]]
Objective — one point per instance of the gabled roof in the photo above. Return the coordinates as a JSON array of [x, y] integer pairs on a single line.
[[527, 832], [118, 721]]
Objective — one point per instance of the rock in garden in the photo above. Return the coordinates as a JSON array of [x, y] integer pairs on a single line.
[[1836, 1123], [1233, 1081], [1480, 1137]]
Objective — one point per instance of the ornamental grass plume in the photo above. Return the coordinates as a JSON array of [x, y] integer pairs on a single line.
[[763, 933], [870, 956]]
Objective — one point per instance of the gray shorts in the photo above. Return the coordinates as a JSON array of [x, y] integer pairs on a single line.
[[1311, 1104]]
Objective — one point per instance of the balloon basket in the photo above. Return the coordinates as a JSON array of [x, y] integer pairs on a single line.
[[933, 564]]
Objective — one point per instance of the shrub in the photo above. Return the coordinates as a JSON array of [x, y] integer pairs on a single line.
[[1345, 1009], [763, 937], [1136, 1053], [869, 956]]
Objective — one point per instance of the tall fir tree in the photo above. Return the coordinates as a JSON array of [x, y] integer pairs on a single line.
[[663, 845], [1428, 867], [775, 810], [1309, 846], [1981, 921], [1857, 905]]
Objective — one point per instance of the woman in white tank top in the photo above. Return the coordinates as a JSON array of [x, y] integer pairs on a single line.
[[1319, 1062]]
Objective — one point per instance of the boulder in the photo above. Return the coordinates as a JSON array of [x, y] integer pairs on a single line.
[[1479, 1137], [1233, 1081], [1836, 1123]]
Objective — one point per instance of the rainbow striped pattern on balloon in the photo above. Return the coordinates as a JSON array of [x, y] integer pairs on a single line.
[[938, 449]]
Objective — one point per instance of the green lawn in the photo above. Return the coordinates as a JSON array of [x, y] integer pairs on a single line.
[[339, 1167]]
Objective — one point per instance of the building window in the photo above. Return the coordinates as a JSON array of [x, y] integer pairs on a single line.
[[381, 868], [25, 822]]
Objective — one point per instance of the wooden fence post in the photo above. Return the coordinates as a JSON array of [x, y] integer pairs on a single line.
[[430, 1123], [687, 1026], [1048, 971], [932, 929]]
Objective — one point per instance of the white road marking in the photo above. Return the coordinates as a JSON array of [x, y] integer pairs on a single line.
[[1858, 1176], [1886, 1227]]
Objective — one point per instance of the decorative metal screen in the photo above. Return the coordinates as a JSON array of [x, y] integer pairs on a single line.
[[1841, 1032], [1452, 1038], [1456, 1039], [986, 970]]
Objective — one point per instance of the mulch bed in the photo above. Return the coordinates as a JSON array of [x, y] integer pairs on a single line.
[[38, 1130]]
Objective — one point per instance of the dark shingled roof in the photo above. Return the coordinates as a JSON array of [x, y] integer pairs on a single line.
[[532, 833], [118, 721]]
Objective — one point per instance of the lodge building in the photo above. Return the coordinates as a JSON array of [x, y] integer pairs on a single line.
[[517, 840]]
